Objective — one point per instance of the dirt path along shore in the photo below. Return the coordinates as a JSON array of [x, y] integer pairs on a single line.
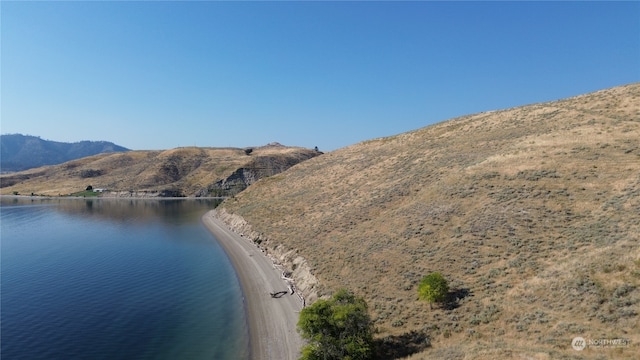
[[272, 320]]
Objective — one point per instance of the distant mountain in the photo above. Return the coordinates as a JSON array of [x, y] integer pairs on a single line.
[[189, 171], [22, 152]]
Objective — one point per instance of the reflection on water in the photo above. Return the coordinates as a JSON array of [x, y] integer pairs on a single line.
[[116, 279], [173, 210]]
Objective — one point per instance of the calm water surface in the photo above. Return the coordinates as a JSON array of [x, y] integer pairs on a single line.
[[116, 279]]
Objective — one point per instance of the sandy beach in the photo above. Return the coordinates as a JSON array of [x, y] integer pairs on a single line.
[[272, 321]]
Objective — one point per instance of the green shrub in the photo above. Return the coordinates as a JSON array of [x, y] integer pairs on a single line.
[[338, 328], [433, 288]]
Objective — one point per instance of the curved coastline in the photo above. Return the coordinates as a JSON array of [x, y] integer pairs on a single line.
[[271, 321]]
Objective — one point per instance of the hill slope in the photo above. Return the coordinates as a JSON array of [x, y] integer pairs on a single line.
[[177, 172], [532, 213], [21, 152]]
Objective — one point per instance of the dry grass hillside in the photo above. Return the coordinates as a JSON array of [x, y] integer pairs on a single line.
[[187, 171], [532, 213]]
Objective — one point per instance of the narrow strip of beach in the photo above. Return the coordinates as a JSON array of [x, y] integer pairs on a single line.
[[271, 320]]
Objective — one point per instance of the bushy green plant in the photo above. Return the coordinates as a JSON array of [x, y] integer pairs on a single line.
[[338, 328], [433, 288]]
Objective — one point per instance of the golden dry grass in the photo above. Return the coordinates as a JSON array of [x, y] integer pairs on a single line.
[[185, 170], [532, 213]]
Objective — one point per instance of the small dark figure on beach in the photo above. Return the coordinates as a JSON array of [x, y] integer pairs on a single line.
[[278, 294]]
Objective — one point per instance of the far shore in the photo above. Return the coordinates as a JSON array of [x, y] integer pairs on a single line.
[[112, 197], [271, 321]]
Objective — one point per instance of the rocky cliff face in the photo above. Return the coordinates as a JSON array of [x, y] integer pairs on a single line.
[[231, 185], [199, 172], [258, 168], [296, 266]]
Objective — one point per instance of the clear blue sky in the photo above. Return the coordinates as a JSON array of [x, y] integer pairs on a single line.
[[158, 75]]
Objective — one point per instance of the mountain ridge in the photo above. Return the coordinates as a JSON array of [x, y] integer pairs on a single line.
[[179, 172], [22, 152]]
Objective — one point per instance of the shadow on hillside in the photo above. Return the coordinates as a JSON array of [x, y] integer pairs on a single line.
[[400, 346], [453, 298]]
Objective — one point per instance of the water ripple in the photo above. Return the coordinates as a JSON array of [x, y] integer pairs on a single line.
[[77, 287]]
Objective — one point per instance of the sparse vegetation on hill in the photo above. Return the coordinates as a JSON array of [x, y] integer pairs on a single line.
[[531, 213], [177, 172]]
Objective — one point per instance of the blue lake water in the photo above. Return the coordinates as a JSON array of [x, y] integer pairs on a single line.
[[116, 279]]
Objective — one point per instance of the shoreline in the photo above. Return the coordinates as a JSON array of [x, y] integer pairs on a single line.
[[271, 321], [7, 196]]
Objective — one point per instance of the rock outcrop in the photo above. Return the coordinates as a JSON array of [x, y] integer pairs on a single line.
[[190, 172], [294, 266], [259, 167]]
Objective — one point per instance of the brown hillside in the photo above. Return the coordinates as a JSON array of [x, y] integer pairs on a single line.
[[532, 213], [178, 172]]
